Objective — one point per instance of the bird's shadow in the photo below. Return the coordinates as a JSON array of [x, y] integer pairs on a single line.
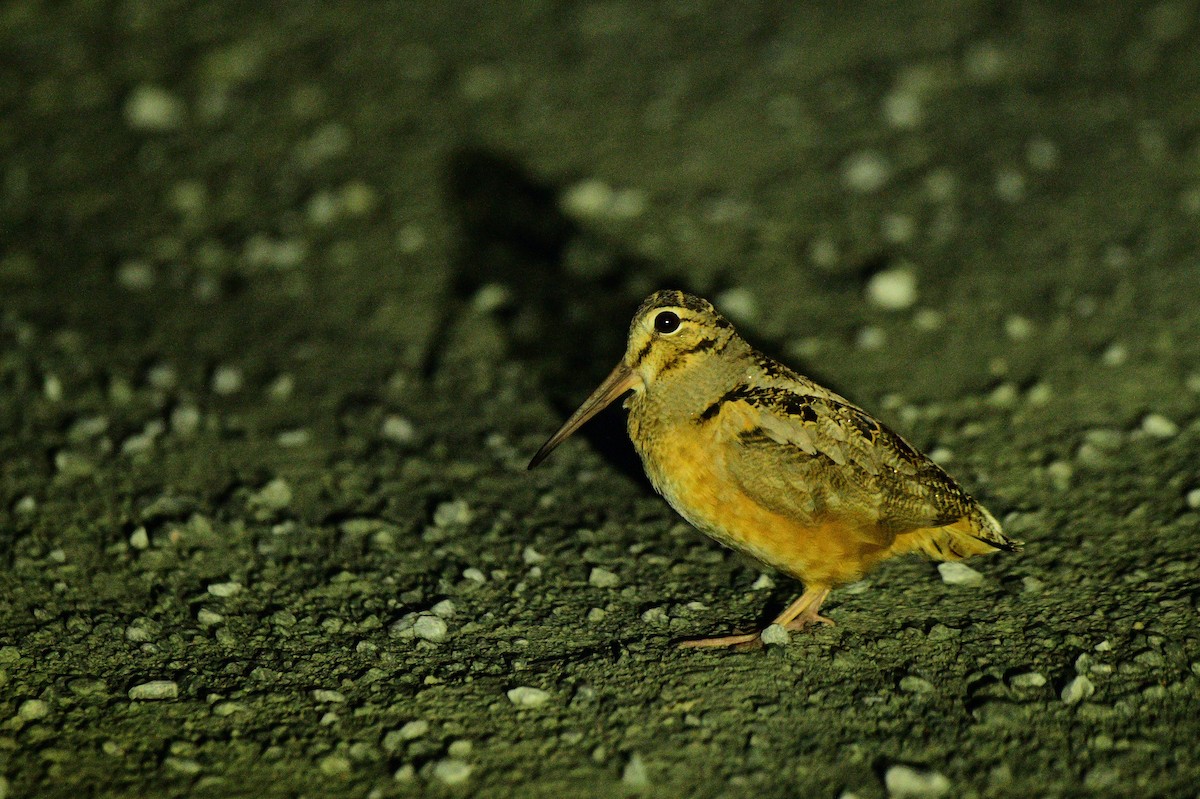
[[571, 294]]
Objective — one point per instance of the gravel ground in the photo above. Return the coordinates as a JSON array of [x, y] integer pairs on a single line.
[[289, 296]]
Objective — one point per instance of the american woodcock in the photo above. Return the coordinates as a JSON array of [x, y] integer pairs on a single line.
[[771, 464]]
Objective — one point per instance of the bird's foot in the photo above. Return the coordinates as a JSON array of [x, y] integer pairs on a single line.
[[807, 620]]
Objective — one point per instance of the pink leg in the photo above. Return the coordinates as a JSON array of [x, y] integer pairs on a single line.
[[797, 615]]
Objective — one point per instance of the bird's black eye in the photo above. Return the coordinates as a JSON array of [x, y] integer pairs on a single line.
[[666, 322]]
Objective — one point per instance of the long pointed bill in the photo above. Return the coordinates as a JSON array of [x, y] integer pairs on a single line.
[[617, 383]]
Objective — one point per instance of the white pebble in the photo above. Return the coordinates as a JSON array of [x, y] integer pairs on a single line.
[[1115, 355], [893, 289], [955, 573], [531, 556], [634, 774], [525, 696], [455, 513], [866, 172], [135, 275], [1018, 328], [1010, 185], [1193, 499], [871, 338], [399, 430], [153, 109], [327, 695], [185, 420], [452, 771], [1078, 690], [764, 583], [275, 495], [227, 380], [33, 709], [1159, 426], [603, 578], [224, 590], [444, 609], [414, 729], [595, 199], [430, 628], [139, 539], [902, 781], [474, 575], [775, 635], [1029, 679], [902, 109], [155, 690]]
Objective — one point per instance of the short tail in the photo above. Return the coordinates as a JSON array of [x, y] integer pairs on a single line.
[[976, 534]]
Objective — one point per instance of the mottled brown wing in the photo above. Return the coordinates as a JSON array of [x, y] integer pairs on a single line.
[[814, 457]]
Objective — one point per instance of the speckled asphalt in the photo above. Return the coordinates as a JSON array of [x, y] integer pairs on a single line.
[[289, 295]]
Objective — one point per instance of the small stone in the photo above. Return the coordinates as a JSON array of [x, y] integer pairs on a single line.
[[227, 380], [135, 275], [293, 438], [183, 765], [763, 583], [634, 775], [398, 430], [405, 773], [455, 513], [452, 771], [595, 200], [185, 420], [460, 748], [335, 766], [414, 729], [25, 505], [208, 618], [775, 634], [531, 556], [866, 172], [871, 338], [139, 539], [1029, 679], [525, 696], [902, 782], [474, 575], [430, 628], [1193, 499], [1078, 690], [1159, 426], [1018, 328], [444, 609], [155, 690], [656, 616], [152, 109], [893, 289], [274, 496], [33, 709], [224, 590], [596, 615], [1115, 354], [916, 685], [603, 578], [1010, 185], [955, 573], [1060, 473], [327, 695]]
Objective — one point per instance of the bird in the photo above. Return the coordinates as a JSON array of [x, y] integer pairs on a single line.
[[769, 463]]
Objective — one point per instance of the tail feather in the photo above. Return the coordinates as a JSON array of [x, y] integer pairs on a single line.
[[976, 534]]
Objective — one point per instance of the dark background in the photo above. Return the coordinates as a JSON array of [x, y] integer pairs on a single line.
[[289, 295]]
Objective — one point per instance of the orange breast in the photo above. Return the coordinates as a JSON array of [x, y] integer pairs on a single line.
[[686, 468]]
